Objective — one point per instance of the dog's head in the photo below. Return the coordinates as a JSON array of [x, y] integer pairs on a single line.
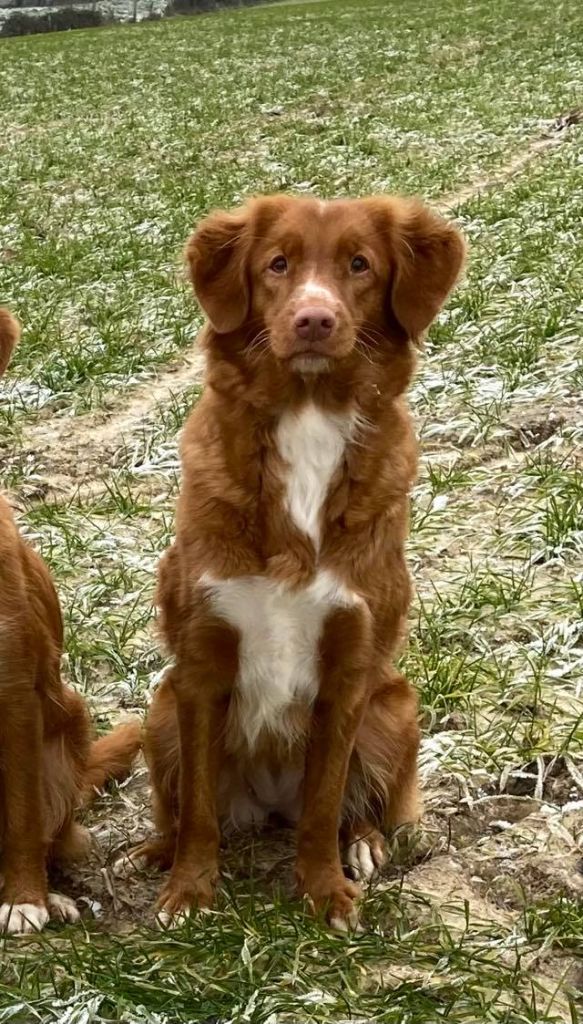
[[318, 283], [9, 335]]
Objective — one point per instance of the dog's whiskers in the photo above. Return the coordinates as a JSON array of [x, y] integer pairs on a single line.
[[258, 347], [361, 349]]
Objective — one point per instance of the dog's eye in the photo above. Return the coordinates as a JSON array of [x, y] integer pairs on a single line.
[[359, 265], [278, 265]]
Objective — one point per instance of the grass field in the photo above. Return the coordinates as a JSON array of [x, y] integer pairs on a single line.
[[113, 143]]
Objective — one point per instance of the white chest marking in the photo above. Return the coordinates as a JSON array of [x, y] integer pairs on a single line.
[[278, 647], [279, 628], [312, 444]]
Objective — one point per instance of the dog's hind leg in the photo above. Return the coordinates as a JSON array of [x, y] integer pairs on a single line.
[[382, 790]]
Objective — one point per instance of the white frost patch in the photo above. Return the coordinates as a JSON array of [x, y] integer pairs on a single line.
[[25, 394]]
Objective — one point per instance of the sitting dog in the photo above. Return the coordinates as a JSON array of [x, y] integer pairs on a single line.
[[285, 595], [48, 762]]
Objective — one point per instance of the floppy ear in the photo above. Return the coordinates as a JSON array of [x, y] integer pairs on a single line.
[[427, 254], [9, 335], [216, 254]]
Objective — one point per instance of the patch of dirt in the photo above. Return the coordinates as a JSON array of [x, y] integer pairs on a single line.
[[533, 425], [122, 819], [556, 779], [446, 882], [501, 866], [455, 893], [533, 432], [118, 819], [510, 850], [538, 858]]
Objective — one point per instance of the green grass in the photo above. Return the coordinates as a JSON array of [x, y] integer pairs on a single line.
[[114, 142], [274, 958]]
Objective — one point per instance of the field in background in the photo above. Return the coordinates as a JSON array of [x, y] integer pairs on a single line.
[[113, 144]]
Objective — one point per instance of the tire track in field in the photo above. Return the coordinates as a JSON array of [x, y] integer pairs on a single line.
[[77, 450], [482, 185]]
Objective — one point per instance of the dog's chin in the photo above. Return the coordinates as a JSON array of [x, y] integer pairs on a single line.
[[308, 365]]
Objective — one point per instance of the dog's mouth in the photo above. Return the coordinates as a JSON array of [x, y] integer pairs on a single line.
[[307, 356], [310, 362]]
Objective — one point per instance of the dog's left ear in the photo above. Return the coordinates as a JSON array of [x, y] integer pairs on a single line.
[[426, 253], [216, 254]]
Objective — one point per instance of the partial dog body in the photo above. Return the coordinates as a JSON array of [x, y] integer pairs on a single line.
[[284, 598], [49, 764]]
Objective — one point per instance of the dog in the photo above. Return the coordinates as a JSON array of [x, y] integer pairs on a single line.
[[49, 764], [285, 595]]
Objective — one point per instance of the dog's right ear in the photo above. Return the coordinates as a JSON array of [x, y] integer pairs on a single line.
[[216, 255], [9, 335]]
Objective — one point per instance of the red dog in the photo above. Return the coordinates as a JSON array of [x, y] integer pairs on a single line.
[[284, 599], [48, 763]]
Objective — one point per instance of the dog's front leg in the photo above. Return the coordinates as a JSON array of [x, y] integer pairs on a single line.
[[345, 661], [24, 895], [202, 684]]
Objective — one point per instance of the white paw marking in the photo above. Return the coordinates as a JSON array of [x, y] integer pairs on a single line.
[[22, 918], [62, 908], [129, 864], [166, 919], [349, 924], [365, 857]]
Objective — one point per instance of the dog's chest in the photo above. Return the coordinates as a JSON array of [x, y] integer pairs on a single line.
[[280, 628], [312, 444]]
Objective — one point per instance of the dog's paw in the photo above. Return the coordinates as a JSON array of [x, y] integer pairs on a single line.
[[157, 854], [366, 855], [168, 919], [22, 918], [328, 892], [349, 923], [178, 902], [62, 908], [129, 864]]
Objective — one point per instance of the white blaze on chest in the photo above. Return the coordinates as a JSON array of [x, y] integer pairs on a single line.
[[279, 632], [280, 628], [312, 444]]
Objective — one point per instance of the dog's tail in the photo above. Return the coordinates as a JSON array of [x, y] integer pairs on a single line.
[[9, 335], [111, 757]]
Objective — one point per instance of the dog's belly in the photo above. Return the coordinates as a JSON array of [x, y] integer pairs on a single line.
[[249, 798], [280, 631]]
